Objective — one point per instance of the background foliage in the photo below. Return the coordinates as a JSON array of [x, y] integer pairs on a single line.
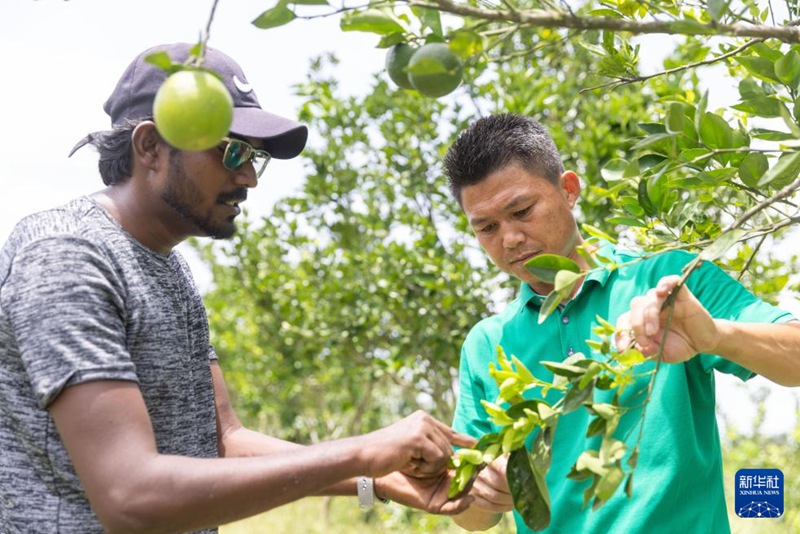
[[346, 306]]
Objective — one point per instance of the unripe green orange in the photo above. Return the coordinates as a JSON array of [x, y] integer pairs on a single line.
[[193, 110], [434, 70], [396, 63]]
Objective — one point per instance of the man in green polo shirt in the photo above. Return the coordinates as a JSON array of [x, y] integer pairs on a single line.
[[507, 175]]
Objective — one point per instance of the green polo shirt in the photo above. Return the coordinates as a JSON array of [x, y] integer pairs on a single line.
[[677, 485]]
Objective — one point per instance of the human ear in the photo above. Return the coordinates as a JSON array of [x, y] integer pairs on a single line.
[[571, 185], [147, 146]]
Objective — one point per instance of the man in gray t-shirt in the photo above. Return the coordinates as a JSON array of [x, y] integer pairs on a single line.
[[113, 410]]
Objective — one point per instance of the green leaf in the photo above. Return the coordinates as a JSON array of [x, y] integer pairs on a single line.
[[565, 282], [761, 68], [787, 68], [277, 16], [518, 410], [596, 232], [372, 21], [590, 461], [715, 132], [721, 244], [592, 371], [752, 168], [773, 135], [160, 59], [700, 111], [528, 490], [430, 18], [545, 267], [388, 41], [652, 140], [697, 156], [644, 198], [763, 106], [651, 128], [613, 169], [564, 369], [549, 305], [766, 51], [717, 8], [605, 410], [675, 118], [717, 176], [749, 89], [796, 110], [465, 43], [309, 2], [783, 172], [577, 397], [596, 427], [609, 483]]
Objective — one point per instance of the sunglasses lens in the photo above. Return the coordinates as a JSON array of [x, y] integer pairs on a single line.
[[260, 161], [236, 154]]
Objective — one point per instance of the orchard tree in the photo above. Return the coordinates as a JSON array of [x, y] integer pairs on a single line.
[[369, 283], [689, 175]]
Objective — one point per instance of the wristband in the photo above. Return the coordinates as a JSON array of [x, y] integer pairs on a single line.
[[366, 492]]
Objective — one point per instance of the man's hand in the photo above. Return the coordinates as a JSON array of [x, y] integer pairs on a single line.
[[427, 493], [418, 445], [492, 498], [692, 330]]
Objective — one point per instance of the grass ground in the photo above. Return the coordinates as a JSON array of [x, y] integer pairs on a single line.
[[342, 516]]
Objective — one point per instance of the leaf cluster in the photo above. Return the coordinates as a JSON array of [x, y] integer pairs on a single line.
[[522, 419]]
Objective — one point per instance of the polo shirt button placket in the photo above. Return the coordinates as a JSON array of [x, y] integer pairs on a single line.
[[565, 319]]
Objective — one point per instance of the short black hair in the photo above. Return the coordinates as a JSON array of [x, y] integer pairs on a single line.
[[494, 142], [116, 151]]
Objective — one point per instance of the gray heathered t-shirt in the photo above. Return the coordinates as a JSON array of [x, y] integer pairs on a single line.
[[81, 300]]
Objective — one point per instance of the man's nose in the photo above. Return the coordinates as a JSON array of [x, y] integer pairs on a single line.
[[512, 237], [246, 176]]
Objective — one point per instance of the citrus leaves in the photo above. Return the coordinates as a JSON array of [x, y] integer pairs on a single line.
[[520, 418], [562, 272]]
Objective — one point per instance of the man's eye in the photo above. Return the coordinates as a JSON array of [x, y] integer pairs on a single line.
[[523, 212], [488, 229]]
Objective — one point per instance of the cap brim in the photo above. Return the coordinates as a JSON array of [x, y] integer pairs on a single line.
[[283, 138]]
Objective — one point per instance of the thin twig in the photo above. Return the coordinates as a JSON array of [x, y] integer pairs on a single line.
[[616, 83]]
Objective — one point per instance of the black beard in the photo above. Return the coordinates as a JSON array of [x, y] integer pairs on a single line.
[[183, 196]]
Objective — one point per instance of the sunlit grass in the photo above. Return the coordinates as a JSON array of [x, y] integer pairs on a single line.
[[341, 515]]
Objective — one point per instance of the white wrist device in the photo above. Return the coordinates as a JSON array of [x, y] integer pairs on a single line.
[[366, 492]]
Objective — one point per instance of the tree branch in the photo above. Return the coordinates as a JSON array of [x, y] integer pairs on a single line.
[[560, 19]]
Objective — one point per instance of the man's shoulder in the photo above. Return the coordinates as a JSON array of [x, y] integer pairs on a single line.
[[77, 229], [71, 219]]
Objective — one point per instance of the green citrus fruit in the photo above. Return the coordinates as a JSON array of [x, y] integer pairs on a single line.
[[396, 62], [434, 70], [193, 110]]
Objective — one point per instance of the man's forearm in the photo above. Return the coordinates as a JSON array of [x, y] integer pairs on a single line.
[[770, 349]]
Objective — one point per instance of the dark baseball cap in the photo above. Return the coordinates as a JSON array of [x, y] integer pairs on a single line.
[[136, 90]]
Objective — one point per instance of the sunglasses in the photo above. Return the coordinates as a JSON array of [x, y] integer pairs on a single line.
[[237, 153]]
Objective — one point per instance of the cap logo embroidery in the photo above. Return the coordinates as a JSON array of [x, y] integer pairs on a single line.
[[244, 87]]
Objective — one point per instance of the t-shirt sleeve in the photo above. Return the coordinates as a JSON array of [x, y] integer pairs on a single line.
[[725, 298], [66, 310]]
